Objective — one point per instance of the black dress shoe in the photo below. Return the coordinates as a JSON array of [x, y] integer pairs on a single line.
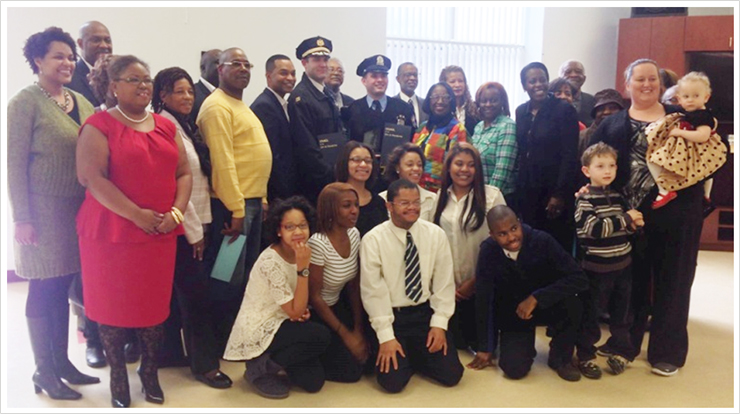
[[95, 357], [122, 403], [220, 380]]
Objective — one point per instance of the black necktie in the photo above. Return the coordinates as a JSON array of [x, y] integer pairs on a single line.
[[413, 113], [413, 270], [376, 107]]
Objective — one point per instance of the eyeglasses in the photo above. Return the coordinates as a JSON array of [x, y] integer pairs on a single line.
[[443, 98], [136, 81], [359, 160], [243, 65], [292, 227], [406, 204]]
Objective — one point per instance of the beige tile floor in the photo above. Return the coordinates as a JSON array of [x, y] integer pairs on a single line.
[[705, 382]]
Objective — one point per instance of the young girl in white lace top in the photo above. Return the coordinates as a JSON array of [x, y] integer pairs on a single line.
[[272, 330]]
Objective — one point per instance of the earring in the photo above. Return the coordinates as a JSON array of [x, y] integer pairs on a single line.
[[115, 94], [398, 172]]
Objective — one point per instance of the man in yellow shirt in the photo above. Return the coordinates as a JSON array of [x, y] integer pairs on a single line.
[[241, 162]]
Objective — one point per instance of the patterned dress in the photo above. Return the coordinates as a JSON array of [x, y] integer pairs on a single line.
[[435, 145]]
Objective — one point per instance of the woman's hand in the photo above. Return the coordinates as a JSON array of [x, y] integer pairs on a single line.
[[304, 317], [355, 342], [466, 290], [554, 207], [302, 255], [581, 191], [481, 360], [167, 225], [25, 234], [148, 220], [198, 248]]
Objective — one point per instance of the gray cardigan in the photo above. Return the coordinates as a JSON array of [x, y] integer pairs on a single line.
[[42, 141]]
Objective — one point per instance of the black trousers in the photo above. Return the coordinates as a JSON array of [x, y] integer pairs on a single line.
[[517, 336], [665, 255], [463, 324], [192, 312], [607, 292], [339, 364], [297, 347], [411, 327]]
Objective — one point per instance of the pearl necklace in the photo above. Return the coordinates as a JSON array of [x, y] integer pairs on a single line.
[[136, 121], [67, 98]]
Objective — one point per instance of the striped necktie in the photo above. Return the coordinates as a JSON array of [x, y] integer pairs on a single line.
[[413, 271]]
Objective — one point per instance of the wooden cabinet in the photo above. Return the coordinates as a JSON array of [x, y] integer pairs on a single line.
[[708, 34], [667, 40]]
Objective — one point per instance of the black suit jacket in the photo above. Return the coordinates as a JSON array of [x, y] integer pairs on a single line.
[[282, 183], [80, 84], [312, 113], [201, 93], [423, 116], [360, 119], [587, 105]]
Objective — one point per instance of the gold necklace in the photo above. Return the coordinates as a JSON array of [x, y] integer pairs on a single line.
[[67, 98]]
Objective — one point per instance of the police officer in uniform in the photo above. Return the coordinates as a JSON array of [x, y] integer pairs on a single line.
[[312, 113], [367, 117]]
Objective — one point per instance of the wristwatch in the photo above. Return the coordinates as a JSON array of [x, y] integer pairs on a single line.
[[304, 272]]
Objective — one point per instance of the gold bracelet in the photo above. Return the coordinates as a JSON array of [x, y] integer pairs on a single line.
[[174, 216], [176, 211]]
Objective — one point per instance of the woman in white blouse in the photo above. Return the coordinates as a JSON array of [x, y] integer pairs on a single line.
[[272, 331], [334, 284], [173, 99], [407, 161], [461, 207]]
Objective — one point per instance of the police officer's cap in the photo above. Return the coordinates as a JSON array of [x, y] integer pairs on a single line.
[[377, 63], [318, 45]]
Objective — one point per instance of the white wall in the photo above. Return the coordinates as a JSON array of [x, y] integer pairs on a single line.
[[588, 35], [165, 37]]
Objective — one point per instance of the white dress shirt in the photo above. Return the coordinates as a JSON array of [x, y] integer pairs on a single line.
[[465, 245], [414, 103], [208, 85], [383, 273], [427, 203], [282, 101]]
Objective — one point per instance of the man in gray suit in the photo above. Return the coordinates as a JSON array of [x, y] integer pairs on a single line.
[[408, 77], [574, 72]]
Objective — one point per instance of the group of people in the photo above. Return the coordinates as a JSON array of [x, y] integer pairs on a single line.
[[380, 234]]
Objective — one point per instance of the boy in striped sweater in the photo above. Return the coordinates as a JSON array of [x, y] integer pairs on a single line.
[[603, 223]]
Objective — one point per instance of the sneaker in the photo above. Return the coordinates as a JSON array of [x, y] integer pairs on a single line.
[[664, 199], [617, 363], [270, 386], [604, 351], [568, 372], [664, 369], [589, 369]]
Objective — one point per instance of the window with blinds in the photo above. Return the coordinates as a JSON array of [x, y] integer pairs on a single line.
[[487, 42]]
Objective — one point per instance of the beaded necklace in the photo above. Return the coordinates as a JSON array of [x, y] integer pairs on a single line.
[[136, 121], [67, 98]]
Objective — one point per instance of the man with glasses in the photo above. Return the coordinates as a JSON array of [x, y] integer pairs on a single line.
[[313, 117], [241, 162], [408, 290], [408, 78], [334, 80]]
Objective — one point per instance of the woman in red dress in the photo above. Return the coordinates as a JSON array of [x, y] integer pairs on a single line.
[[138, 183]]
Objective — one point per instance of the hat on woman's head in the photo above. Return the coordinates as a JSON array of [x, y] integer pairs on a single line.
[[607, 96]]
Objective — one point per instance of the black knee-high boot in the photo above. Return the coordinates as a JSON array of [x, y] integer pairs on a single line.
[[114, 339], [45, 377], [59, 345], [151, 340]]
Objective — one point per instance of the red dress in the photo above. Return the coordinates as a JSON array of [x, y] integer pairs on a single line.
[[126, 274]]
